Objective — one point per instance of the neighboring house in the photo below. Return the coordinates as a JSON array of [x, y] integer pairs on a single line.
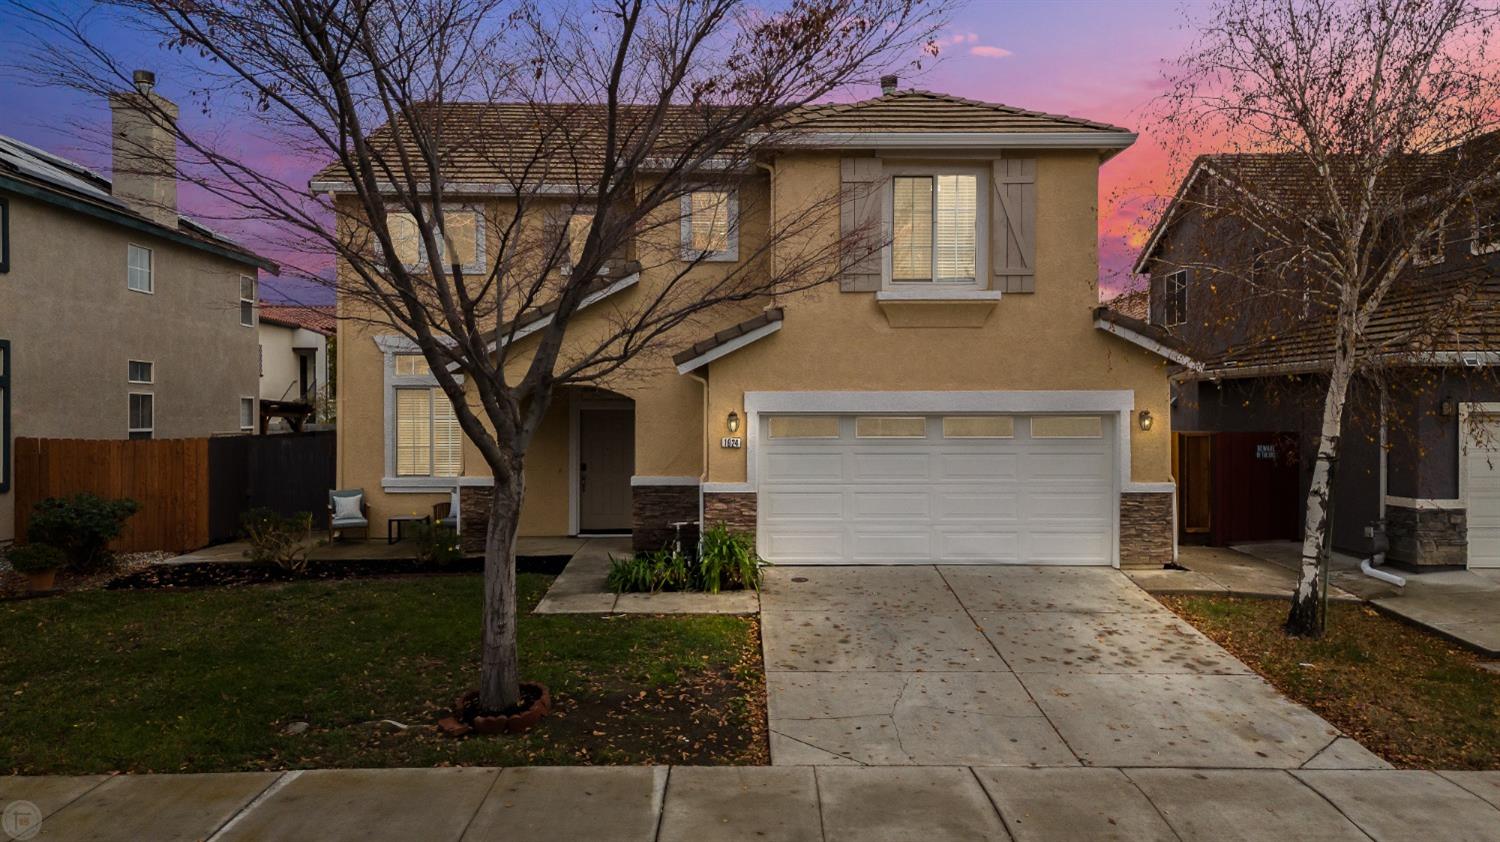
[[1416, 451], [967, 408], [119, 318], [294, 362]]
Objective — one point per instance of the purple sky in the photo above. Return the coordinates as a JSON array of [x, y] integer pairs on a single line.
[[1100, 59]]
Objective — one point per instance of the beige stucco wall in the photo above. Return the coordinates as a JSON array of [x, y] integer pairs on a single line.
[[829, 341], [73, 327]]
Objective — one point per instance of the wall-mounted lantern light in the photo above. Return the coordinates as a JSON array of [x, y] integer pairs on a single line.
[[1145, 420], [733, 422]]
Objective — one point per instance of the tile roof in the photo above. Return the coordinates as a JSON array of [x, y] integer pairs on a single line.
[[58, 176], [1135, 304], [728, 334], [1140, 327], [926, 111], [319, 319]]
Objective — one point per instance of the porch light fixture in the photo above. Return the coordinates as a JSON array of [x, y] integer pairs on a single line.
[[1145, 420], [733, 422]]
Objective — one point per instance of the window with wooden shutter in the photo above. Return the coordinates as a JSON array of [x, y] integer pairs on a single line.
[[709, 225]]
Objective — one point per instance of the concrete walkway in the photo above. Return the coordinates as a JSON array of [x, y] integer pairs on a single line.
[[1014, 666], [695, 804], [580, 589], [1461, 605]]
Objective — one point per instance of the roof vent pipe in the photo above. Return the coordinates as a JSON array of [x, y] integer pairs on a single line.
[[888, 84], [144, 80]]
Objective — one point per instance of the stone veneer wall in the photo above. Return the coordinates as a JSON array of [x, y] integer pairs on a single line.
[[1145, 529], [655, 508], [1427, 537], [474, 516], [735, 509]]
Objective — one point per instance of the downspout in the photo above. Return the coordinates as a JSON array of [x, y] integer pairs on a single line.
[[1378, 541]]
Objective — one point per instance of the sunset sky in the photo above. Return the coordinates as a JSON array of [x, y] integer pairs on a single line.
[[1100, 59]]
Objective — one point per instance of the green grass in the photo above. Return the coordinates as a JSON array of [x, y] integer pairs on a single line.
[[205, 680], [1408, 695]]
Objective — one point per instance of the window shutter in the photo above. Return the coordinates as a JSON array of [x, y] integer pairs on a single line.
[[860, 223], [1013, 228]]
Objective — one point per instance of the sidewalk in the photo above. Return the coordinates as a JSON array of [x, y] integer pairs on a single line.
[[693, 804]]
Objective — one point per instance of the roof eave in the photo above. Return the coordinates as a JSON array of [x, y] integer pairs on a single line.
[[1148, 343], [1101, 140]]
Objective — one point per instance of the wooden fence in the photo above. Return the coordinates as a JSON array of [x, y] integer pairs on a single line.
[[168, 477]]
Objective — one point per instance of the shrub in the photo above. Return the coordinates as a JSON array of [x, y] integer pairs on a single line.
[[36, 558], [437, 543], [81, 526], [728, 562], [278, 539]]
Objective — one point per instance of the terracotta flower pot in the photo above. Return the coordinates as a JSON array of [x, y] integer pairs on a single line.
[[41, 580]]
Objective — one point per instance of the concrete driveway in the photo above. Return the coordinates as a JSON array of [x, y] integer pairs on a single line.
[[1014, 666]]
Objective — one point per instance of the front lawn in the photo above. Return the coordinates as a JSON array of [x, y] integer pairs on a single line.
[[1407, 695], [163, 681]]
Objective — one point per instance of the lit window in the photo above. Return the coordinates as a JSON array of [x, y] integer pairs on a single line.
[[709, 219], [1067, 427], [142, 415], [429, 441], [1174, 310], [979, 427], [411, 365], [935, 223], [886, 427], [463, 239], [247, 301], [247, 413], [141, 372], [804, 427], [138, 269]]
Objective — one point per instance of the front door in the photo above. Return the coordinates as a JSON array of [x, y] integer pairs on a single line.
[[606, 459]]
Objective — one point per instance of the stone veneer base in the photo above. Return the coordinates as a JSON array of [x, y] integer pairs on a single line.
[[1427, 537], [736, 510], [655, 508], [1145, 529]]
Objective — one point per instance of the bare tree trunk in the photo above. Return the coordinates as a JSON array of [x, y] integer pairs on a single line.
[[1305, 619], [499, 675]]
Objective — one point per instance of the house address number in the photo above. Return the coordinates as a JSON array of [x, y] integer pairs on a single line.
[[731, 442]]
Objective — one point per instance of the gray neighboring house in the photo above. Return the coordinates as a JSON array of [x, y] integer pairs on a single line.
[[119, 317], [1424, 456]]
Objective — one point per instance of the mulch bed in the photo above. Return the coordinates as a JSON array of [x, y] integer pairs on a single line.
[[215, 574]]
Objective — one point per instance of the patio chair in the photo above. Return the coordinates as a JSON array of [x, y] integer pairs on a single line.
[[446, 514], [339, 522]]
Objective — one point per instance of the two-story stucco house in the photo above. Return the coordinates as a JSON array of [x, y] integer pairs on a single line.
[[956, 399], [119, 317]]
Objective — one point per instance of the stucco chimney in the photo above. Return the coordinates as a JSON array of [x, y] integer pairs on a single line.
[[888, 84], [144, 150]]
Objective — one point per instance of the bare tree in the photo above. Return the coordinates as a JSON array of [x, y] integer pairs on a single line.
[[551, 113], [1355, 136]]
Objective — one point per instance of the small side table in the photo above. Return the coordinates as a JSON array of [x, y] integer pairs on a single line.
[[395, 527]]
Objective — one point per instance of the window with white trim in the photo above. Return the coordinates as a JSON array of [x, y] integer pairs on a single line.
[[429, 442], [247, 300], [890, 427], [710, 223], [1174, 298], [411, 365], [803, 427], [140, 371], [935, 232], [1067, 427], [138, 269], [462, 239], [1484, 214], [247, 414], [142, 415]]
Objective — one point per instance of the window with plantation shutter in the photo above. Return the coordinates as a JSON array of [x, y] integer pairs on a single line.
[[911, 240], [709, 220], [429, 442], [447, 438]]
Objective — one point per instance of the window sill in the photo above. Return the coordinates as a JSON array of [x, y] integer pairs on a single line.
[[937, 307], [418, 485]]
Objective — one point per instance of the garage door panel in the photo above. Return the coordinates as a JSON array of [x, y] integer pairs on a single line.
[[958, 465], [789, 545], [1067, 546], [902, 505], [802, 505], [801, 465], [1482, 493], [1071, 506], [1066, 465], [989, 545], [902, 545], [965, 504], [876, 465]]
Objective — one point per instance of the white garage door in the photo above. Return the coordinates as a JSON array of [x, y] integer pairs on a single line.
[[1482, 488], [875, 489]]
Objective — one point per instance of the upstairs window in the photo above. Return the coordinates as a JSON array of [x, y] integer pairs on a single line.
[[1485, 213], [247, 300], [1174, 298], [1429, 250], [138, 269], [934, 228], [576, 235], [709, 225], [463, 240], [429, 442], [247, 414], [142, 415], [141, 372]]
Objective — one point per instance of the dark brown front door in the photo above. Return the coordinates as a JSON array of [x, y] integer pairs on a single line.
[[606, 459]]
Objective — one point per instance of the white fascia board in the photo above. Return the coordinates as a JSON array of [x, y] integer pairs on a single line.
[[592, 298], [476, 188], [729, 347], [953, 140], [1148, 343], [853, 403], [937, 294]]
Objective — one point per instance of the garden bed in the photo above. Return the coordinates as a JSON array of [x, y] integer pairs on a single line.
[[202, 574], [224, 679], [1411, 697]]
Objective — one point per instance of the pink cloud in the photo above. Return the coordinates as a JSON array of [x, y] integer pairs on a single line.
[[987, 51]]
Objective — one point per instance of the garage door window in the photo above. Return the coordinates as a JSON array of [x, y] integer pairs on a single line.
[[804, 427], [878, 427], [979, 427], [1067, 427]]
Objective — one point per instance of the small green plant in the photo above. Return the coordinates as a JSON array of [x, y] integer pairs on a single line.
[[36, 558], [436, 543], [277, 539], [728, 562], [81, 526]]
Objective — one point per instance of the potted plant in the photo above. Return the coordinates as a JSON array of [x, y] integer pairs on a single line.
[[39, 562]]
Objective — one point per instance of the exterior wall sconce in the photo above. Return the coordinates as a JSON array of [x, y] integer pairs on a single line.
[[733, 422], [1145, 420], [1447, 407]]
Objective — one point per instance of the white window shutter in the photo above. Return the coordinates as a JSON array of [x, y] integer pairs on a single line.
[[1013, 225]]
